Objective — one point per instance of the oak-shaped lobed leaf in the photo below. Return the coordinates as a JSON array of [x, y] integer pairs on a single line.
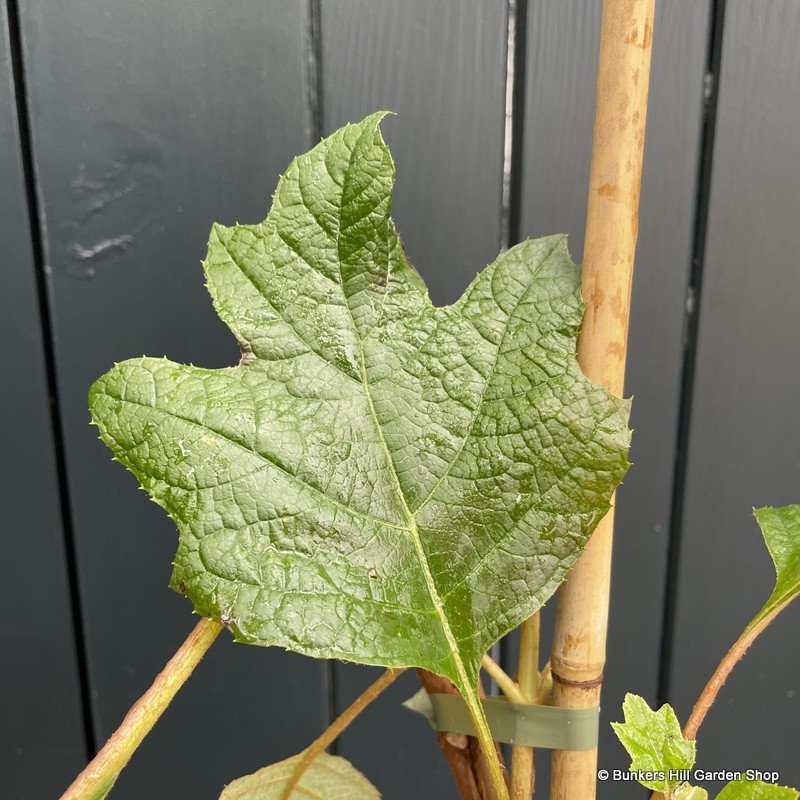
[[378, 480]]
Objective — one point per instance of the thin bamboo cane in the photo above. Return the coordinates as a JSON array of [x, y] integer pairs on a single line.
[[578, 654]]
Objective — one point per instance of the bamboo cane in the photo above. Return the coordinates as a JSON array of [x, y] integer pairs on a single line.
[[578, 653]]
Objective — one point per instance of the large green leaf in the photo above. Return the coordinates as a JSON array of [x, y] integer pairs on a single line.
[[378, 480], [328, 778]]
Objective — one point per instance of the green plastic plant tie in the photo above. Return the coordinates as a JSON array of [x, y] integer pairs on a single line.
[[526, 725]]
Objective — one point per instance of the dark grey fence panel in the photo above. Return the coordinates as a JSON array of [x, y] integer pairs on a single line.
[[441, 67], [560, 81], [149, 122], [745, 444], [560, 88], [41, 736]]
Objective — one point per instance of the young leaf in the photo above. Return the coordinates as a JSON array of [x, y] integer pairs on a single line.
[[654, 742], [378, 480], [756, 790], [781, 530], [330, 777], [687, 792]]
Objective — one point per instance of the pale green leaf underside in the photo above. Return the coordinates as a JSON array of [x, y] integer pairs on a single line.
[[687, 792], [654, 741], [379, 480], [328, 778], [781, 530], [756, 790]]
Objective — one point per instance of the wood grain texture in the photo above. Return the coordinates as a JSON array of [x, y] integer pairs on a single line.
[[441, 67], [149, 122], [745, 442], [40, 705], [560, 83]]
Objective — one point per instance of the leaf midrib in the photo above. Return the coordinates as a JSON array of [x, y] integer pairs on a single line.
[[430, 584]]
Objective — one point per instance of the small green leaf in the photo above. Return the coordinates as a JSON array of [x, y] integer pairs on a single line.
[[781, 530], [378, 480], [687, 792], [756, 790], [328, 777], [654, 742]]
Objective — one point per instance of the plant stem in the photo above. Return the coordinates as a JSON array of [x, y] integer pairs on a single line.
[[522, 758], [338, 725], [717, 680], [464, 756], [99, 776], [484, 737], [545, 684], [503, 680], [528, 675]]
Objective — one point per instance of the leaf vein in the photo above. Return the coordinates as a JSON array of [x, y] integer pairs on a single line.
[[507, 534], [486, 384], [264, 457], [280, 316]]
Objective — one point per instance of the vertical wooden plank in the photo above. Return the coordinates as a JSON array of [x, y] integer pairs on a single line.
[[560, 86], [40, 707], [745, 436], [149, 122], [559, 111], [441, 67]]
